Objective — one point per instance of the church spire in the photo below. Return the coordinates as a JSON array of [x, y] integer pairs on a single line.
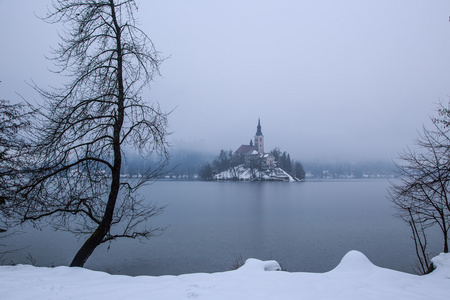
[[258, 129], [259, 138]]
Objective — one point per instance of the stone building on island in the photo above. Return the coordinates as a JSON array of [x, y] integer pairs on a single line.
[[253, 154], [250, 162]]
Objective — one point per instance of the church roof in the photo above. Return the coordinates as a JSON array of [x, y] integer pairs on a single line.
[[245, 149]]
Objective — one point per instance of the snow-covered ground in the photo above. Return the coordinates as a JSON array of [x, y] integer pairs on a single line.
[[242, 173], [354, 278]]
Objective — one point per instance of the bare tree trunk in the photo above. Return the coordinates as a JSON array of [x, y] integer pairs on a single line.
[[104, 227], [73, 181], [445, 241], [420, 242]]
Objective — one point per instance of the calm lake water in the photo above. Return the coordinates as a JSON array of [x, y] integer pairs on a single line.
[[306, 226]]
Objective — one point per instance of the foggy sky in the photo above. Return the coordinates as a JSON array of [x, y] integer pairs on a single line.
[[329, 79]]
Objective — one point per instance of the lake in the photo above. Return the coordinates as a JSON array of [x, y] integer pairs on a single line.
[[306, 226]]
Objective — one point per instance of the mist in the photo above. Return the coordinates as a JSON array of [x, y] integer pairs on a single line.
[[330, 80]]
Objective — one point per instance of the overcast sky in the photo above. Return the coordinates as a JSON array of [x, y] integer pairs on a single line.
[[329, 79]]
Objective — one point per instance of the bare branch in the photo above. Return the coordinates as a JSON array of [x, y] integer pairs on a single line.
[[73, 180]]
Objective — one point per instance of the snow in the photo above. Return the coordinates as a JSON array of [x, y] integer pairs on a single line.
[[242, 173], [354, 278]]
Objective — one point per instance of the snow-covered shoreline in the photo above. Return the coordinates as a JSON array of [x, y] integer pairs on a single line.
[[354, 278], [242, 173]]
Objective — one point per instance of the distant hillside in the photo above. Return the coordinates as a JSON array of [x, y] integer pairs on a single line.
[[188, 164], [183, 163], [367, 169]]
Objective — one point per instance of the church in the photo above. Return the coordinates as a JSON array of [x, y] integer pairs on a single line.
[[253, 153]]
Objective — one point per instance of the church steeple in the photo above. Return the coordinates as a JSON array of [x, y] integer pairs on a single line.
[[259, 138], [258, 128]]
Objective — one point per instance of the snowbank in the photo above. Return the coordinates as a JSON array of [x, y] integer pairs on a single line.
[[354, 278]]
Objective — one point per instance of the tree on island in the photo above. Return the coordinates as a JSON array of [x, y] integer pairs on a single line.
[[74, 182], [255, 167], [299, 171], [421, 194], [231, 162], [206, 173], [223, 161], [293, 167]]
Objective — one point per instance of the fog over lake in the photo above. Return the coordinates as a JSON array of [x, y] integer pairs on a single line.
[[329, 79], [306, 226]]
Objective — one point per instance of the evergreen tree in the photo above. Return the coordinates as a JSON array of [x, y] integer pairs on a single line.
[[206, 172], [299, 170]]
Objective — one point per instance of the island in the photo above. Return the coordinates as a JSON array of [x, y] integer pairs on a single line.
[[251, 163]]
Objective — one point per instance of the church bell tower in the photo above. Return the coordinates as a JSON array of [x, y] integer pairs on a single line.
[[259, 139]]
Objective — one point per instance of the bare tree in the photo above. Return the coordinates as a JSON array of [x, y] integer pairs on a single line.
[[74, 181], [14, 119], [421, 193], [255, 166], [419, 236]]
